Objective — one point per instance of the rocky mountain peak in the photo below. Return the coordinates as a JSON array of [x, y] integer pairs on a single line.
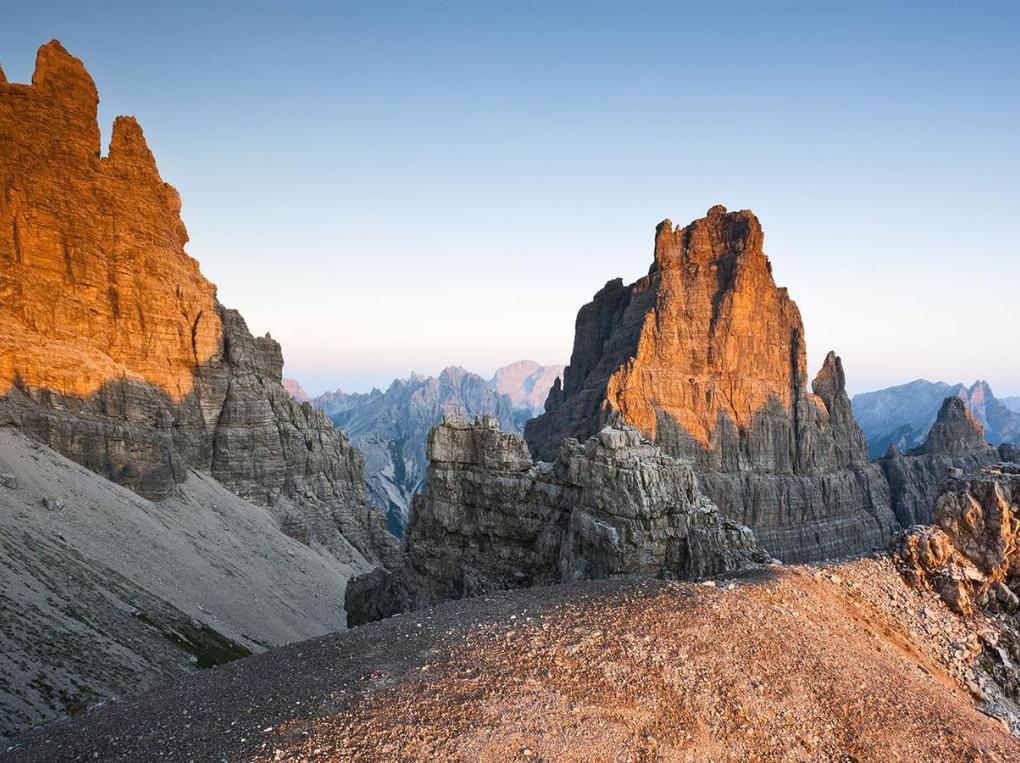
[[719, 234], [705, 356], [117, 351], [955, 430], [65, 82]]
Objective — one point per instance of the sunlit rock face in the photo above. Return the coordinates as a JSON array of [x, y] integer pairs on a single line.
[[95, 284], [113, 347], [706, 356]]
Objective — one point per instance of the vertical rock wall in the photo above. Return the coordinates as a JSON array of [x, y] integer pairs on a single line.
[[113, 347], [706, 356]]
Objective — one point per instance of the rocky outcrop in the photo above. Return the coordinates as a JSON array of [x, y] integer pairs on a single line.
[[970, 554], [491, 519], [113, 348], [705, 356], [902, 416], [391, 428], [954, 445], [527, 384]]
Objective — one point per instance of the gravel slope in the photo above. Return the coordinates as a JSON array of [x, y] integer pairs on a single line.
[[98, 586], [800, 663]]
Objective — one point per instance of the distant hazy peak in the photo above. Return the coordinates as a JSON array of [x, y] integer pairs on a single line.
[[296, 391]]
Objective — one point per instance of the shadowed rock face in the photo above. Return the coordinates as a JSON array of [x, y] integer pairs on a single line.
[[706, 356], [113, 348], [956, 441], [490, 519], [391, 428]]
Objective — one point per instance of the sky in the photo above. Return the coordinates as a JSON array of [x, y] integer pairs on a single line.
[[388, 188]]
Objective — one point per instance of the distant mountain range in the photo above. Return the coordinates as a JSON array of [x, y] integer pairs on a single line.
[[904, 414], [527, 384], [391, 427]]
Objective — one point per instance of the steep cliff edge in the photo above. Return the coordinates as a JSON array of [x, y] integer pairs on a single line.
[[490, 519], [113, 348], [706, 356]]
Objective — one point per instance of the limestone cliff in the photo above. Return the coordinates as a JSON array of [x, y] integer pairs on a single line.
[[955, 442], [490, 519], [391, 428], [113, 347], [706, 356]]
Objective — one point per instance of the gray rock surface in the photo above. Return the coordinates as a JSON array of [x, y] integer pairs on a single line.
[[955, 442], [391, 428], [238, 424], [115, 594], [491, 519], [902, 416]]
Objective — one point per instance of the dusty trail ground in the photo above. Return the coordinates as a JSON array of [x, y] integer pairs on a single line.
[[841, 662]]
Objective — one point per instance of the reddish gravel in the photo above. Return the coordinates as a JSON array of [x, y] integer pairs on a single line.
[[802, 663]]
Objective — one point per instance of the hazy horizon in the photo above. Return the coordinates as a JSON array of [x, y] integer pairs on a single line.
[[388, 189]]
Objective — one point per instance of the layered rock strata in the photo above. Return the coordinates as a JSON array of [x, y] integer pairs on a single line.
[[113, 347], [391, 429], [954, 443], [705, 356], [491, 519]]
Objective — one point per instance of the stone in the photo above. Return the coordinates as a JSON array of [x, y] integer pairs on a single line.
[[54, 504], [706, 357], [491, 519], [115, 349], [970, 554], [391, 429], [955, 446], [1009, 452], [9, 481]]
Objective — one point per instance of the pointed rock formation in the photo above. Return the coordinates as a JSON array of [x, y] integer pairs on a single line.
[[113, 347], [705, 355], [971, 552], [955, 442]]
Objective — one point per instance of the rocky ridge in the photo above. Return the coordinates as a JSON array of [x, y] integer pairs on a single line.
[[822, 662], [136, 371], [491, 519], [705, 355]]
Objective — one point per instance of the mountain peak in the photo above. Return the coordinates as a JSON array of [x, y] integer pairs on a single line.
[[955, 430]]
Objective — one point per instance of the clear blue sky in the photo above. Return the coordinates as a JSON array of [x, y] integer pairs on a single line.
[[389, 188]]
